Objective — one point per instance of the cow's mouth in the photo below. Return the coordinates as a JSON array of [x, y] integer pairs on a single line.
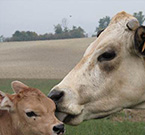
[[64, 117], [68, 118]]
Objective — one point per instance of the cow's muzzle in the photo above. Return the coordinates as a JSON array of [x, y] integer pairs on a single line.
[[56, 96]]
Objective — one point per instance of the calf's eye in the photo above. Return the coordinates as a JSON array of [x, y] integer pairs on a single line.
[[107, 56], [31, 114]]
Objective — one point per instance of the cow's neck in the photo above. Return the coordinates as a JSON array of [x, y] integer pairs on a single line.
[[6, 124]]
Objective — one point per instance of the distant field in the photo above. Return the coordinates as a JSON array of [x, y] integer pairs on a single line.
[[41, 59], [93, 127]]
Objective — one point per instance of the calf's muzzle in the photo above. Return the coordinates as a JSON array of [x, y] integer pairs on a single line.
[[59, 129]]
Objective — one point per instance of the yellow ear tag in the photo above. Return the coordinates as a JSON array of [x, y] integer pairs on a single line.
[[143, 47]]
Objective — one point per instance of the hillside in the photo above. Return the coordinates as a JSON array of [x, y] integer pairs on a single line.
[[41, 59]]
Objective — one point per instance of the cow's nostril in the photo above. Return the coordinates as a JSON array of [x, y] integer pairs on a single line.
[[56, 95], [59, 128]]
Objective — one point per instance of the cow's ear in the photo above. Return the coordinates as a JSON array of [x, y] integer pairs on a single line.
[[99, 32], [139, 39], [5, 102], [17, 86]]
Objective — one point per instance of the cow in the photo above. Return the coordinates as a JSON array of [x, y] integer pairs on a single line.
[[28, 112], [109, 77]]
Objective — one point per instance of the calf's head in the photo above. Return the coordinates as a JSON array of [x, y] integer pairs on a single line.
[[109, 77], [32, 112]]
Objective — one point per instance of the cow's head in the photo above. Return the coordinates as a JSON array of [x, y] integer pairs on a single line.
[[31, 112], [109, 77]]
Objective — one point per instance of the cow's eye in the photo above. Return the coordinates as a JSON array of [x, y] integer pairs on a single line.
[[107, 56], [31, 114]]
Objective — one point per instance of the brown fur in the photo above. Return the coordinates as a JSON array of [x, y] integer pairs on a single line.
[[16, 122]]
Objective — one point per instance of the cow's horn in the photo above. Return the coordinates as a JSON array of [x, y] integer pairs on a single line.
[[133, 24]]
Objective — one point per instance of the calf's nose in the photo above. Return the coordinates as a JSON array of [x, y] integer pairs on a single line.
[[56, 95], [59, 129]]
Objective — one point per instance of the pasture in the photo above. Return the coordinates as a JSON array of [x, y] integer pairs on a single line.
[[105, 126], [41, 59], [42, 64]]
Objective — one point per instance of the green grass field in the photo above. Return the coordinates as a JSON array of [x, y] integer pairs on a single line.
[[92, 127]]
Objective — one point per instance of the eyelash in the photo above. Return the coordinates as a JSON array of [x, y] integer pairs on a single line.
[[31, 114], [107, 56]]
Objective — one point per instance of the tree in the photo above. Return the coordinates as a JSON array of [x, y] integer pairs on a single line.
[[140, 17], [64, 23], [31, 35], [77, 32], [1, 38], [103, 23], [64, 33], [24, 36], [58, 29], [17, 36]]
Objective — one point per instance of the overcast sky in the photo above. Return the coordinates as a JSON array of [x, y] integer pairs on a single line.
[[41, 15]]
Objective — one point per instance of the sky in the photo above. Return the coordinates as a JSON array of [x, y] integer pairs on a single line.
[[41, 15]]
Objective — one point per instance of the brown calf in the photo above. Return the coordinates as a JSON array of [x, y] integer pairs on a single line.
[[28, 112]]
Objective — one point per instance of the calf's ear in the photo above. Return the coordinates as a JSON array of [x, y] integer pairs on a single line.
[[5, 102], [17, 86], [139, 40]]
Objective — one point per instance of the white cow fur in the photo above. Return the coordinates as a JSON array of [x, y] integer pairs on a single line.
[[96, 89]]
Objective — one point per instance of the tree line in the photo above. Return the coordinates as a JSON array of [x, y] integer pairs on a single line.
[[61, 31]]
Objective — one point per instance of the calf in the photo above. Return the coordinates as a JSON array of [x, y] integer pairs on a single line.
[[28, 112]]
